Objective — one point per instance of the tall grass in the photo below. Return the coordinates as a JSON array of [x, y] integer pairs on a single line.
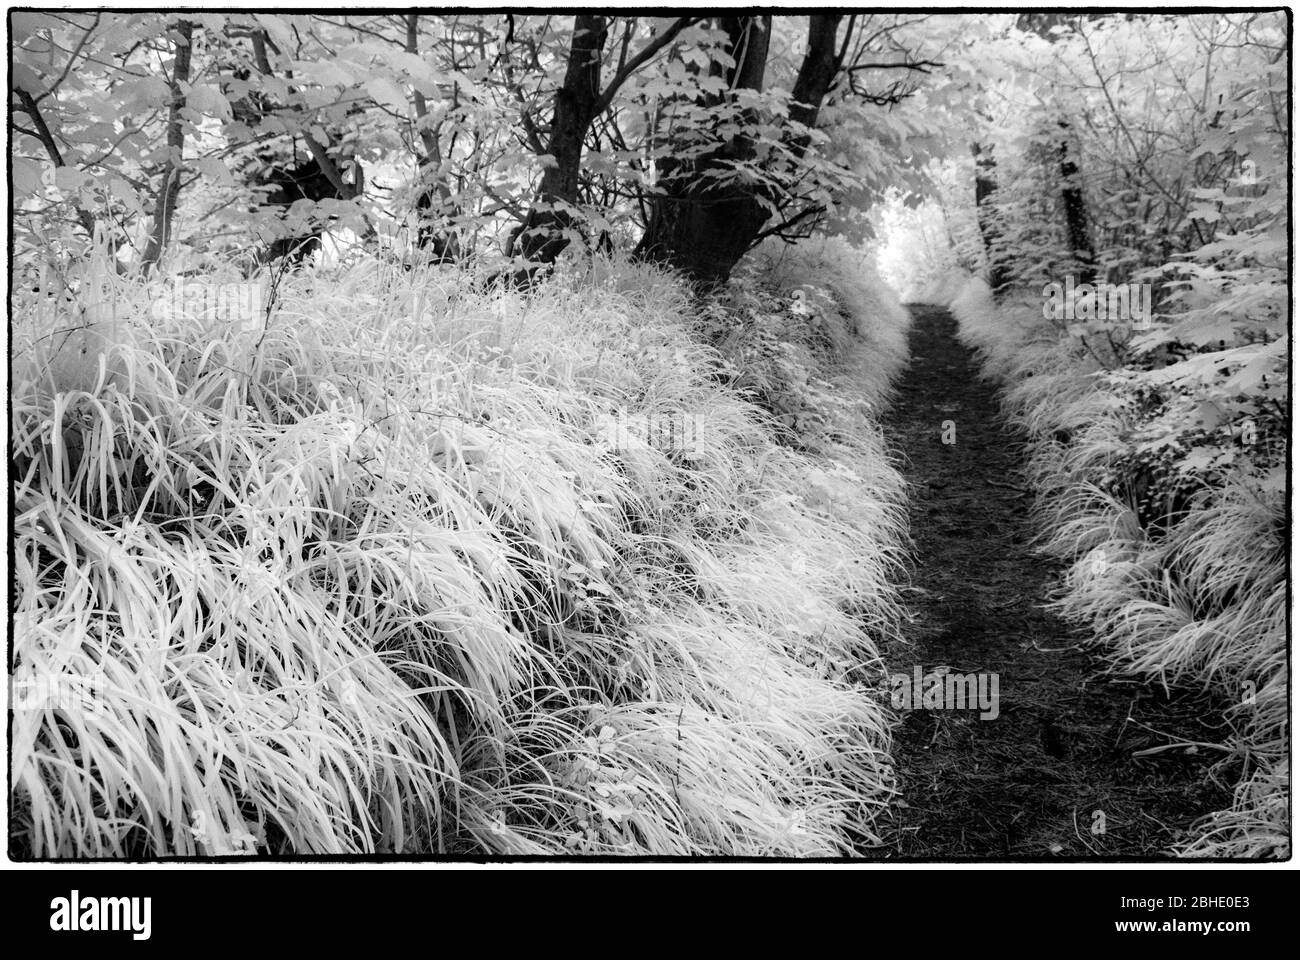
[[1198, 602], [361, 576]]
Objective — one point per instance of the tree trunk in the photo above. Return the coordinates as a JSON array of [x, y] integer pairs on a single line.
[[317, 179], [169, 186], [821, 64], [1076, 212], [304, 181], [986, 185], [441, 246], [541, 237], [697, 225]]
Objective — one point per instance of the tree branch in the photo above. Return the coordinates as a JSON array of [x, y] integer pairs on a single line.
[[29, 107], [169, 186], [924, 66], [632, 66], [72, 59]]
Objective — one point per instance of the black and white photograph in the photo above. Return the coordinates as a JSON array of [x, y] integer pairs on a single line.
[[704, 437]]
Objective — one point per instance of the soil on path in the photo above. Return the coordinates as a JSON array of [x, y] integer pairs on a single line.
[[1061, 772]]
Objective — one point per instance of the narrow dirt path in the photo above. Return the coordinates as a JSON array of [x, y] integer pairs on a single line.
[[1055, 774]]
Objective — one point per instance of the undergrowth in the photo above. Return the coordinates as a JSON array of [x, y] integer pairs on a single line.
[[365, 574], [1174, 528]]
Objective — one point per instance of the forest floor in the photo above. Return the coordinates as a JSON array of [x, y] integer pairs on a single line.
[[1060, 772]]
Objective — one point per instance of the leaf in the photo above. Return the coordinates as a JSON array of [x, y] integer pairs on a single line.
[[1199, 459], [385, 93], [207, 100], [27, 177], [124, 192], [213, 168], [1207, 416], [279, 29], [69, 179], [1249, 376], [25, 78]]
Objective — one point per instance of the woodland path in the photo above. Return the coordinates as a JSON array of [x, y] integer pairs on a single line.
[[1029, 783]]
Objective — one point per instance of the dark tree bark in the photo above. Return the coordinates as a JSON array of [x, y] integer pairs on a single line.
[[169, 186], [440, 246], [986, 185], [290, 178], [697, 225], [821, 64], [303, 181], [540, 238], [702, 227], [1076, 211]]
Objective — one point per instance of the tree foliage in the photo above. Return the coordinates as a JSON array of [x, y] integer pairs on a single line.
[[453, 136]]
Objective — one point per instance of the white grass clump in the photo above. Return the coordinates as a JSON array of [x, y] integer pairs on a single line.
[[871, 338], [1201, 604], [361, 576]]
